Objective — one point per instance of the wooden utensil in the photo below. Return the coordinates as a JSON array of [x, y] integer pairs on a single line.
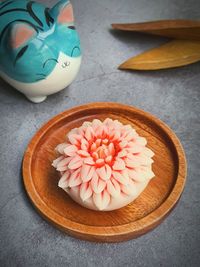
[[178, 29], [142, 215], [173, 54]]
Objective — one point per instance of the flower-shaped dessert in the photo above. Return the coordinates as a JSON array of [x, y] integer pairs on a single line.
[[104, 165]]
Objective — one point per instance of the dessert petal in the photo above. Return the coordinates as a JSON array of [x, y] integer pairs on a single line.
[[120, 178], [113, 187], [89, 133], [142, 141], [122, 154], [75, 178], [83, 153], [135, 148], [64, 162], [70, 150], [84, 144], [85, 191], [56, 161], [101, 200], [104, 172], [75, 163], [63, 182], [132, 162], [60, 148], [87, 172], [148, 152], [119, 165], [89, 161], [129, 189], [97, 184]]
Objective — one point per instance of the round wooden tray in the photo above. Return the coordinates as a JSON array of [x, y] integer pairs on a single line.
[[142, 215]]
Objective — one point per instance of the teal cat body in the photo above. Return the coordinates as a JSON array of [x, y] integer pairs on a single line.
[[33, 36]]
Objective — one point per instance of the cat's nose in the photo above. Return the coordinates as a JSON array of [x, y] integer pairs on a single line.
[[65, 64]]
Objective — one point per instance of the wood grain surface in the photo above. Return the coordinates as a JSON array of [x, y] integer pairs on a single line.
[[142, 215], [173, 54], [178, 29]]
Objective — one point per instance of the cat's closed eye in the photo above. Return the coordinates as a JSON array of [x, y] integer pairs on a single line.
[[72, 27], [49, 59]]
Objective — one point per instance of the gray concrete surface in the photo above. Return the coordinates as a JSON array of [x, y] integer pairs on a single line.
[[172, 95]]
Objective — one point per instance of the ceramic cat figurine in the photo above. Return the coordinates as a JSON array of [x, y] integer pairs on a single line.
[[39, 47]]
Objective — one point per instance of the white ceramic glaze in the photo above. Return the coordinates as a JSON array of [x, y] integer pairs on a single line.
[[40, 50], [64, 73]]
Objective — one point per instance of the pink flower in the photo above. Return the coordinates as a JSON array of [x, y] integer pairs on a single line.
[[102, 160]]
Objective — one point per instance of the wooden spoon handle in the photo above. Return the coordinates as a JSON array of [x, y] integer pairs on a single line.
[[178, 29]]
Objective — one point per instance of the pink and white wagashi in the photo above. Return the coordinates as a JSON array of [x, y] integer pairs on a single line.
[[104, 165]]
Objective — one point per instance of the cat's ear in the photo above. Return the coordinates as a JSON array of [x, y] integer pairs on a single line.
[[20, 34], [62, 12]]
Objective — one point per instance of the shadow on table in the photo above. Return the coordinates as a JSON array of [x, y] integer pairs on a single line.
[[7, 91]]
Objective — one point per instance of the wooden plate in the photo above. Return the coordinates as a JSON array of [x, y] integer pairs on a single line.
[[142, 215]]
